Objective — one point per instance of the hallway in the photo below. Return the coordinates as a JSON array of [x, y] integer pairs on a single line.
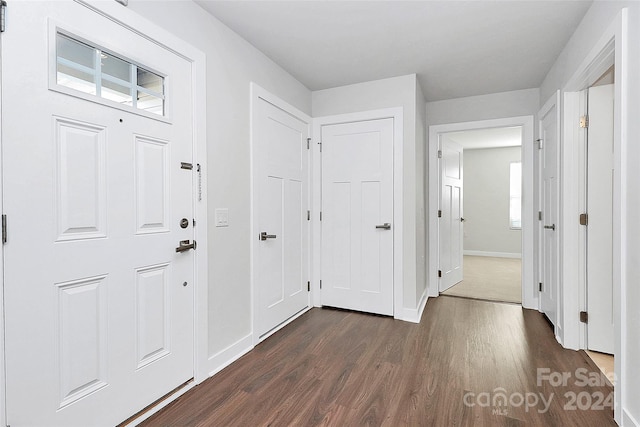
[[337, 368]]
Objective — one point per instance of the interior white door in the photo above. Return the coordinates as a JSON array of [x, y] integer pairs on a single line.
[[548, 134], [357, 216], [281, 160], [600, 225], [98, 303], [451, 220]]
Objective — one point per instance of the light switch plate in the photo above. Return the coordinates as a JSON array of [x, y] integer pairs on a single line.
[[222, 217]]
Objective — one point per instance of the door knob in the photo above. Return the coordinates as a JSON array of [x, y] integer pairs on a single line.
[[265, 236], [185, 246], [550, 227], [385, 226]]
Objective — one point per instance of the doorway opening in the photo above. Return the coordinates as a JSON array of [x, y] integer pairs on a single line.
[[437, 134], [490, 214]]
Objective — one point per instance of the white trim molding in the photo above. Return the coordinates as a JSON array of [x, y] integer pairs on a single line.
[[529, 291], [398, 169], [414, 315], [227, 356]]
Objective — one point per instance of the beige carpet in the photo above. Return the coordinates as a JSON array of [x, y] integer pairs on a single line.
[[488, 278]]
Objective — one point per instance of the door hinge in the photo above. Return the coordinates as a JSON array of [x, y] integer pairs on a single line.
[[308, 142], [320, 215], [584, 219], [320, 144], [3, 16], [539, 215], [539, 141], [185, 165], [308, 286], [320, 284], [540, 288], [439, 154], [4, 229], [439, 273], [439, 213], [308, 215], [584, 121], [584, 317]]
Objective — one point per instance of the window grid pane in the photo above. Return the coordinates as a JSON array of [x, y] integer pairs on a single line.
[[89, 70]]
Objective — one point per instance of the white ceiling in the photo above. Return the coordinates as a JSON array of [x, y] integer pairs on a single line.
[[487, 138], [457, 48]]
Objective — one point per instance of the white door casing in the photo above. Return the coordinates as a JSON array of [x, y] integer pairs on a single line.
[[103, 326], [280, 158], [548, 134], [600, 171], [357, 215], [451, 222]]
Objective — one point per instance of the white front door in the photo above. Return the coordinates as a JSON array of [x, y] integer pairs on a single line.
[[600, 223], [357, 216], [281, 162], [98, 303], [548, 134], [451, 220]]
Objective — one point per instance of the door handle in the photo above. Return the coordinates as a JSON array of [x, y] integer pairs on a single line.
[[265, 236], [385, 226], [185, 246], [550, 227]]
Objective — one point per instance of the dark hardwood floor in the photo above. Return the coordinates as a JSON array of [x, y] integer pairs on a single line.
[[339, 368]]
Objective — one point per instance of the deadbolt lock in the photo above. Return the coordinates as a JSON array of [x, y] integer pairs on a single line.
[[184, 223]]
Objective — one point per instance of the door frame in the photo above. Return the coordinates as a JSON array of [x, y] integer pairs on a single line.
[[610, 49], [257, 93], [128, 19], [316, 200], [530, 292]]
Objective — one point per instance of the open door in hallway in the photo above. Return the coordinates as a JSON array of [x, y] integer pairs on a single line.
[[548, 134], [600, 220], [451, 220]]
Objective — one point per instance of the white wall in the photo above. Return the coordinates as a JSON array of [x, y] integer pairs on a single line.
[[232, 64], [486, 201], [590, 30], [483, 107], [379, 94]]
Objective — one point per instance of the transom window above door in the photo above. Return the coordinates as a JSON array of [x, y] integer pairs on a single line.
[[91, 70]]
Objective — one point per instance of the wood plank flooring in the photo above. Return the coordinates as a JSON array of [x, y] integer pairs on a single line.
[[339, 368]]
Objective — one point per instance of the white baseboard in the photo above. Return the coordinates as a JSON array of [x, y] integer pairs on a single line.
[[493, 254], [628, 420], [226, 357], [281, 325], [414, 315], [161, 404]]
